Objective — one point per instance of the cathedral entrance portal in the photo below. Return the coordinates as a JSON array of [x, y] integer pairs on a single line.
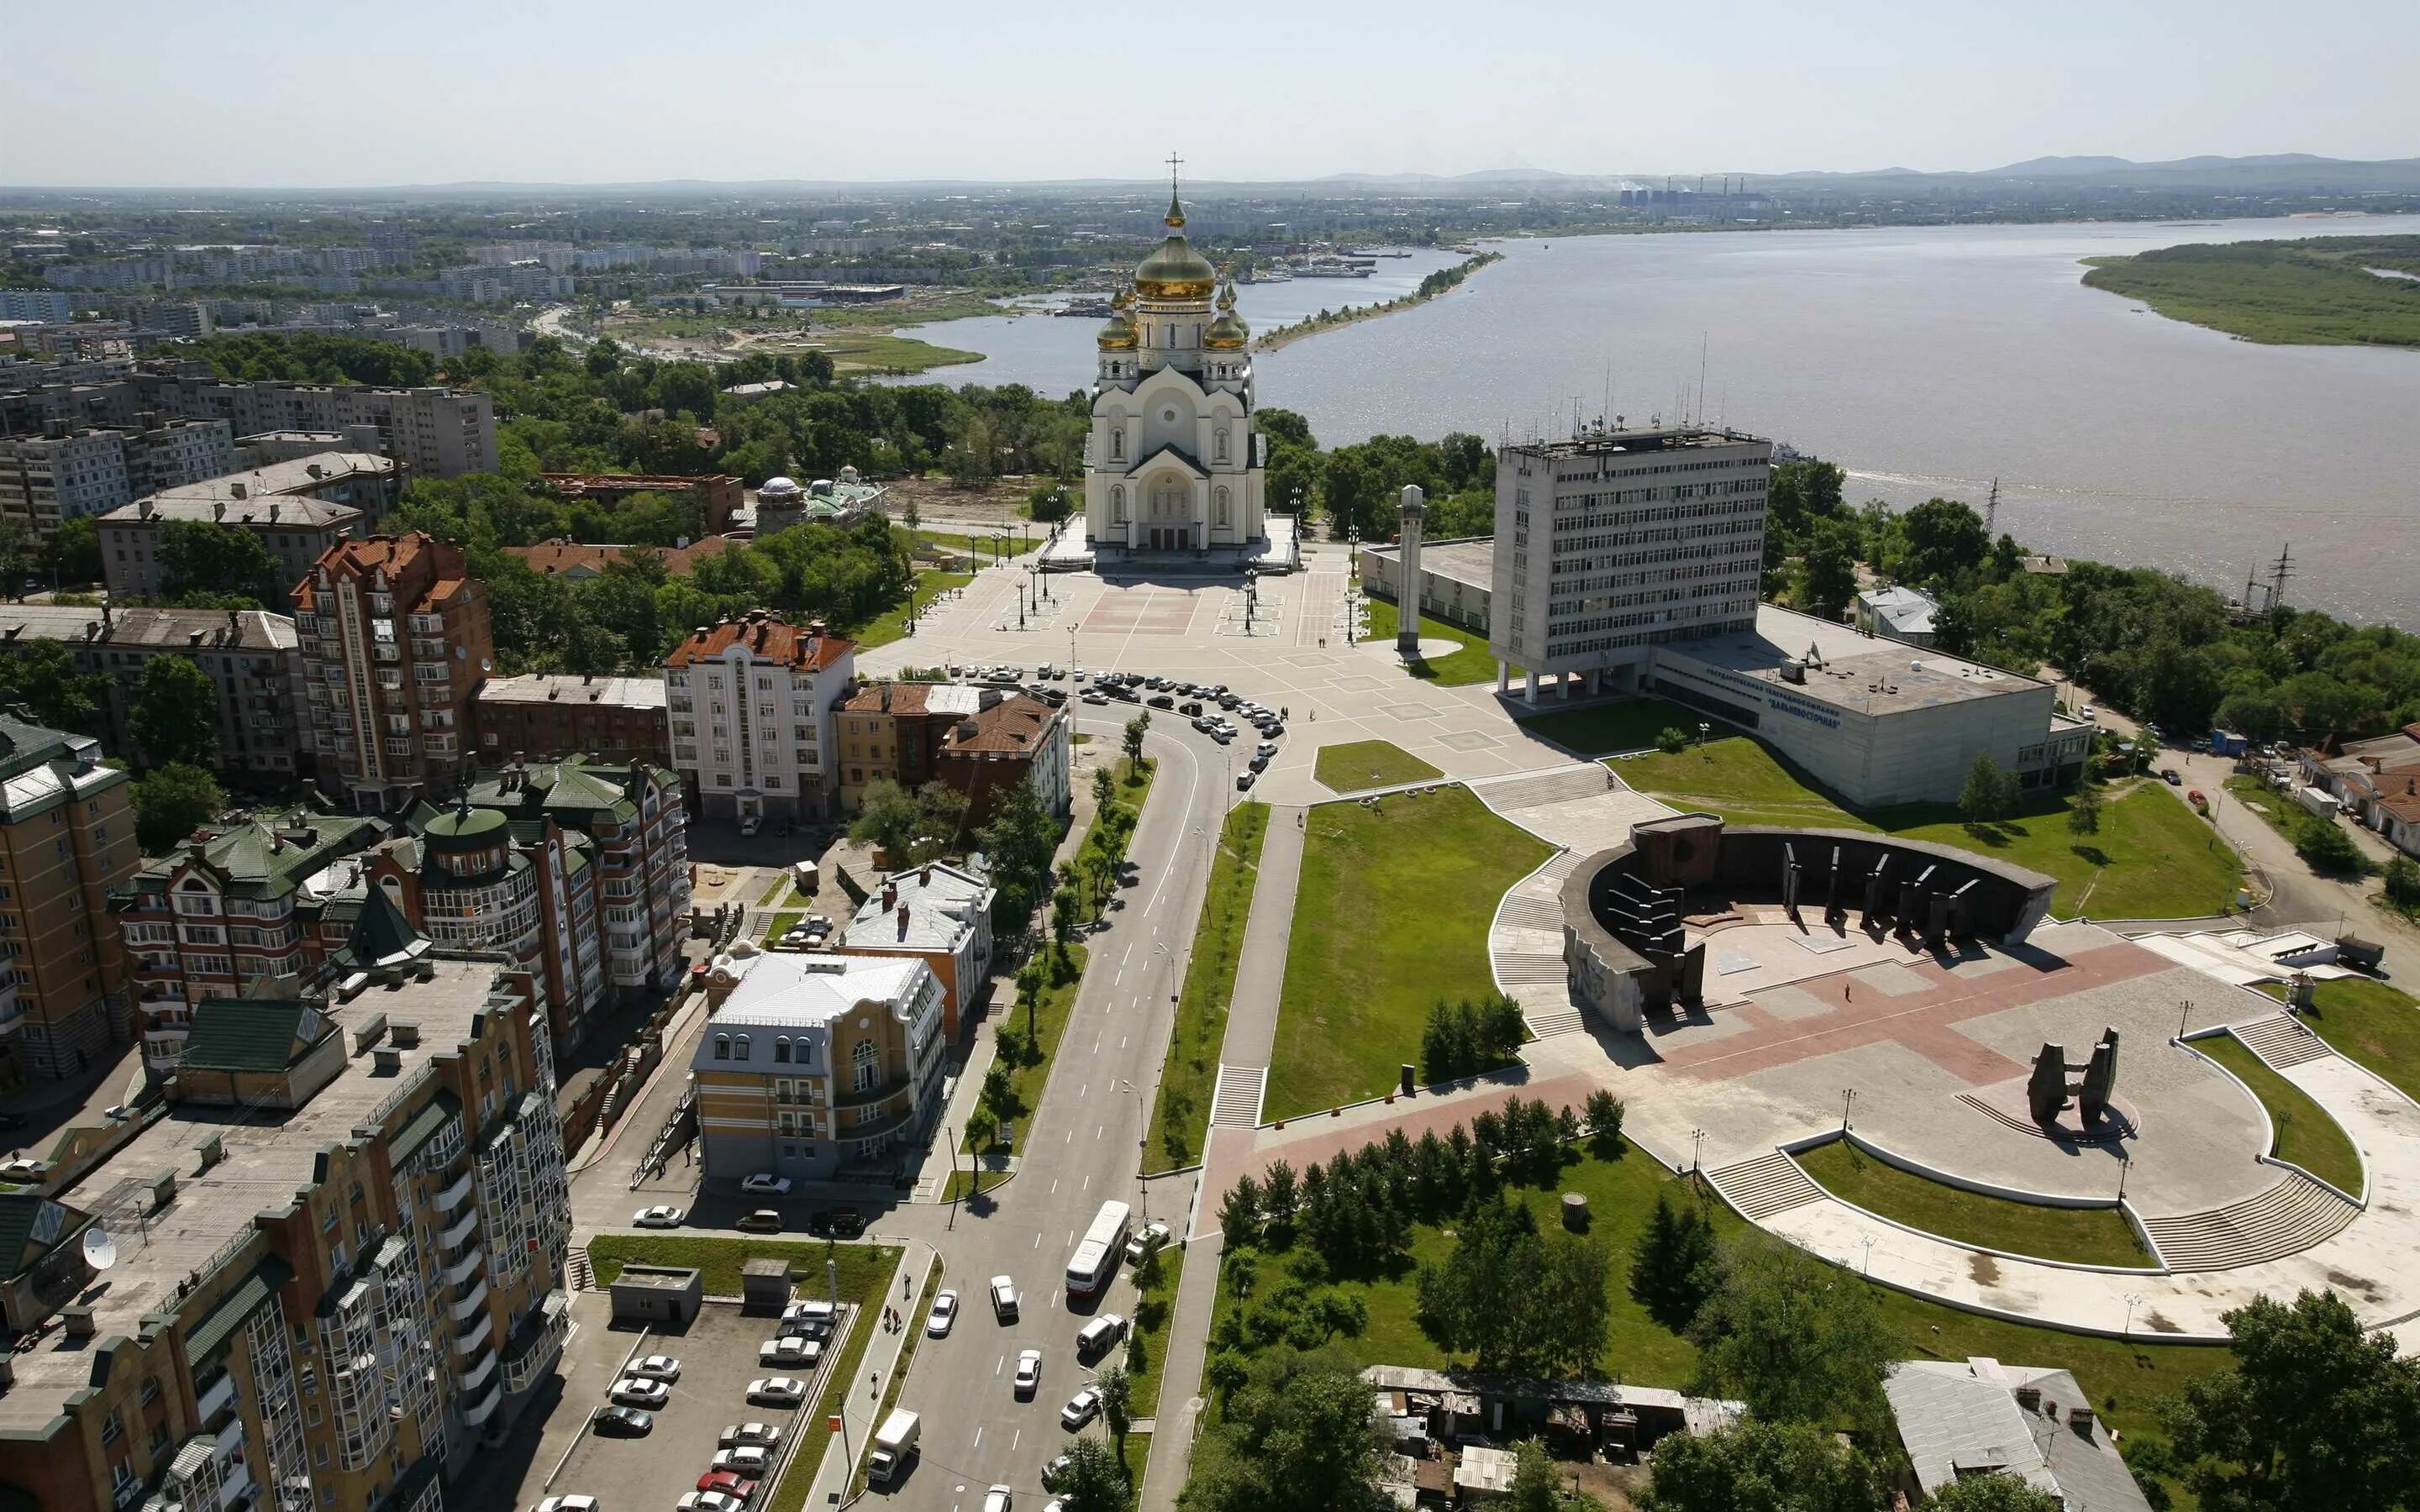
[[1171, 540]]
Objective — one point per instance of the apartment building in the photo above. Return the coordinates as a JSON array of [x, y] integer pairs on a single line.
[[297, 510], [396, 639], [68, 473], [35, 305], [253, 659], [340, 1239], [67, 838], [751, 704], [227, 912], [981, 741], [430, 430], [1619, 541], [938, 914], [610, 718], [813, 1065], [288, 445]]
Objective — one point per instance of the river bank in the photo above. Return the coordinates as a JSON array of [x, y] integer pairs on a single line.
[[1443, 281], [2329, 291]]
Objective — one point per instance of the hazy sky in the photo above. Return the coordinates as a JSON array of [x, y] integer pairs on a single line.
[[271, 93]]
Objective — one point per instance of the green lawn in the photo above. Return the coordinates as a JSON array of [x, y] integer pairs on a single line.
[[1154, 1311], [717, 1261], [1391, 915], [2306, 1136], [1471, 664], [1631, 724], [1049, 1020], [2368, 1021], [779, 923], [892, 624], [1369, 764], [2087, 1236], [1182, 1116], [2152, 858]]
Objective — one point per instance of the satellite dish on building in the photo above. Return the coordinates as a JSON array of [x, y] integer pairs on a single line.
[[100, 1250]]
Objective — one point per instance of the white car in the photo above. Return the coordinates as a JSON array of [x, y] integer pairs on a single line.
[[1003, 1299], [638, 1391], [998, 1499], [1150, 1237], [747, 828], [709, 1502], [814, 1316], [780, 1390], [764, 1184], [658, 1218], [1081, 1409], [750, 1460], [1028, 1371], [760, 1435], [568, 1504], [1100, 1334], [657, 1367], [790, 1348], [945, 1312]]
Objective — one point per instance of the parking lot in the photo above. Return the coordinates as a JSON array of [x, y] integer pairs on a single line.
[[718, 1356]]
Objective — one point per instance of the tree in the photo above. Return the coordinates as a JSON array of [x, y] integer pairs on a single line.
[[887, 818], [172, 802], [1538, 1483], [1136, 729], [1993, 1493], [1117, 1399], [2083, 809], [204, 559], [1521, 1302], [1296, 1436], [1105, 787], [2327, 848], [41, 675], [74, 552], [20, 554], [1239, 1213], [1020, 840], [1939, 539], [1064, 908], [1990, 792], [1755, 1466], [1673, 1266], [2313, 1413], [1830, 566], [1798, 1339], [2403, 881], [175, 717], [1602, 1116], [1672, 740], [1094, 1479]]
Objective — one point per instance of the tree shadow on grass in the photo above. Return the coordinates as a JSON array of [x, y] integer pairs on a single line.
[[2090, 855]]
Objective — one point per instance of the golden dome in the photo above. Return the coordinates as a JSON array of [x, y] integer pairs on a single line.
[[1117, 333], [1175, 271], [1228, 333]]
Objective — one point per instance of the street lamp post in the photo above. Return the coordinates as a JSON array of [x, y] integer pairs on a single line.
[[1704, 731], [1848, 1098]]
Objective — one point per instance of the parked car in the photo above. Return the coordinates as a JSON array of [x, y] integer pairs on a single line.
[[638, 1391], [740, 1488], [762, 1435], [656, 1367], [1029, 1372], [944, 1313], [1150, 1237], [1191, 707], [660, 1216], [1098, 1334], [709, 1502], [1267, 747], [837, 1223], [750, 826], [568, 1504], [779, 1391], [764, 1184], [1081, 1409], [1054, 1470], [750, 1460], [1003, 1299], [1162, 701], [624, 1422], [763, 1221], [1244, 780], [790, 1348], [998, 1499], [1094, 695], [2171, 777]]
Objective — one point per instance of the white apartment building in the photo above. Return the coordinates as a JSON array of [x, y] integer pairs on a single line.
[[71, 474], [751, 703], [1619, 541], [437, 432]]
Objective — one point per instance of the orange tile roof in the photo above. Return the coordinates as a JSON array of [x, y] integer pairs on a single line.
[[1014, 726], [396, 556], [770, 638], [564, 556], [888, 698]]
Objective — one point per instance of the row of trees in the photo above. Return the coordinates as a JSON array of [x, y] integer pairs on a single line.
[[1464, 1039]]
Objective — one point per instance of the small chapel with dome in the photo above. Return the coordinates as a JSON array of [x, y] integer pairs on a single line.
[[1174, 464]]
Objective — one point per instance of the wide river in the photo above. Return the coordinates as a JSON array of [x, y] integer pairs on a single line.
[[1925, 359]]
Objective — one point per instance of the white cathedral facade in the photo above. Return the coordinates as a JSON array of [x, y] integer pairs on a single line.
[[1174, 464]]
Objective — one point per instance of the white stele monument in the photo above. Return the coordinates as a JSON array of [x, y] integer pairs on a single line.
[[1407, 595]]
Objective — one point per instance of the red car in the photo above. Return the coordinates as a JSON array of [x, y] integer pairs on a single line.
[[728, 1484]]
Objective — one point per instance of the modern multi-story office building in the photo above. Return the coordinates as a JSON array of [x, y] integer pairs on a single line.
[[297, 510], [67, 838], [69, 475], [397, 640], [814, 1065], [253, 659], [751, 703], [1619, 541], [339, 1245]]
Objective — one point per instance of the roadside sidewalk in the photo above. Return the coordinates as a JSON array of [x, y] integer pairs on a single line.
[[863, 1398]]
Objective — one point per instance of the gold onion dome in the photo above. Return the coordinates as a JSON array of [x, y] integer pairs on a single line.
[[1175, 271], [1228, 333], [1119, 333]]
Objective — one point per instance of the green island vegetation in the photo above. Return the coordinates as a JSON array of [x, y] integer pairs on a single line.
[[1605, 729], [2316, 293], [854, 339], [2085, 1236], [2368, 1022], [1369, 764], [1450, 1252], [1443, 281], [1421, 872], [1470, 663], [2147, 855], [2302, 1132], [1190, 1076]]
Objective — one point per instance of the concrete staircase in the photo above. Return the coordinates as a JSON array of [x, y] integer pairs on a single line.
[[1545, 1022], [2281, 1040], [2287, 1219], [1533, 789], [1236, 1102], [1768, 1184]]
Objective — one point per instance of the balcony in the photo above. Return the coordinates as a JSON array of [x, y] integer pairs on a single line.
[[477, 1373], [452, 1198], [230, 1439], [460, 1271], [472, 1301], [467, 1343], [535, 1349], [486, 1406], [448, 1237], [386, 651], [216, 1398]]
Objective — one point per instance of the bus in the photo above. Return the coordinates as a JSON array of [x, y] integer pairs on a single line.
[[1096, 1258]]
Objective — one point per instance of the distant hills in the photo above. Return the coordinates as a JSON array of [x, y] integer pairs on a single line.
[[2092, 167]]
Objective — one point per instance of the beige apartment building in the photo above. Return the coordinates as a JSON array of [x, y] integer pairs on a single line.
[[67, 838], [297, 510]]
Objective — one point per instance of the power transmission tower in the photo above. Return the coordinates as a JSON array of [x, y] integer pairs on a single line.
[[2279, 571], [1992, 514]]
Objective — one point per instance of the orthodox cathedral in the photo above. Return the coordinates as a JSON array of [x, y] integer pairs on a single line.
[[1174, 464]]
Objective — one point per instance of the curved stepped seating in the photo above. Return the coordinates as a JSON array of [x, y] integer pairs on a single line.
[[1545, 1022], [1768, 1184], [2281, 1040], [1558, 868], [1558, 786], [2287, 1219], [1526, 910], [1235, 1103], [1528, 969]]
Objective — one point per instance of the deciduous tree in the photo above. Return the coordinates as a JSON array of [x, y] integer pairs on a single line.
[[175, 717], [1757, 1466], [1798, 1339]]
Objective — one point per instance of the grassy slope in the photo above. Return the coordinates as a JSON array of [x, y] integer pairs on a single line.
[[1369, 764], [1471, 664], [1050, 1011], [1393, 914], [1159, 1304], [2152, 858], [2305, 1134], [2306, 293], [2088, 1236], [1191, 1073], [1603, 728], [2370, 1022]]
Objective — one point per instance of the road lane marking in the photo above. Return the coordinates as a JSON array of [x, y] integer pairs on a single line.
[[1099, 1130], [1015, 1439], [978, 1435], [998, 1368], [1054, 1185], [1038, 1241]]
